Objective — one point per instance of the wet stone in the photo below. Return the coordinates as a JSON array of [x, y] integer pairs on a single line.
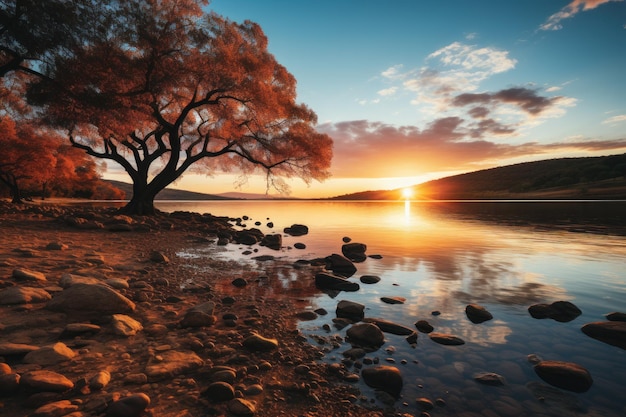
[[477, 313], [489, 378], [564, 375], [446, 339], [384, 378], [369, 279], [423, 326]]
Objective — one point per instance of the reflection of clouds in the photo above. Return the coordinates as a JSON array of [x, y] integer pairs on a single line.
[[494, 332]]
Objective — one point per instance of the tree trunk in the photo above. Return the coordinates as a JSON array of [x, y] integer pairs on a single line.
[[141, 203], [16, 194]]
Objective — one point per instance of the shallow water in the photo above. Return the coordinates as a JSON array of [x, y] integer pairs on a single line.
[[440, 256]]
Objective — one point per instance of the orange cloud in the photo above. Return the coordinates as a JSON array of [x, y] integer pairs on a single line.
[[569, 11]]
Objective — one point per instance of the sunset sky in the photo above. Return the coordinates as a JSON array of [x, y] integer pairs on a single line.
[[416, 90]]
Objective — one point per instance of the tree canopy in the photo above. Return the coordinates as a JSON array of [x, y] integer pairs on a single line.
[[172, 88]]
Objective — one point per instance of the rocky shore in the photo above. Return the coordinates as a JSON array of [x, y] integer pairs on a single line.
[[100, 317]]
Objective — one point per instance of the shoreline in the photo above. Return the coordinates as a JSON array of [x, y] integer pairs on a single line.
[[173, 365]]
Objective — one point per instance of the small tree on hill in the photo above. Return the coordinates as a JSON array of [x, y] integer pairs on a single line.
[[184, 89]]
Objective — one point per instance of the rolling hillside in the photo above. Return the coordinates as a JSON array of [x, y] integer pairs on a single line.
[[565, 178]]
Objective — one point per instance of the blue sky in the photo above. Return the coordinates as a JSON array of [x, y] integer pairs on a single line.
[[415, 90]]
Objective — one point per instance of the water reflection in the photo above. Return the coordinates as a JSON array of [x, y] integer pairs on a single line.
[[443, 256]]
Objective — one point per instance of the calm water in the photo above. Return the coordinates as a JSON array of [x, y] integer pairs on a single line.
[[442, 256]]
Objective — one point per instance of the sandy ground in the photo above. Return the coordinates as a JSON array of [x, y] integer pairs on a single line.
[[286, 381]]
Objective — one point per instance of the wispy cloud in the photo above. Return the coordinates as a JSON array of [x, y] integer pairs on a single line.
[[388, 91], [615, 119], [569, 11]]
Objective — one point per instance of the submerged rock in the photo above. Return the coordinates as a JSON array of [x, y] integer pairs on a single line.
[[477, 313], [561, 311], [489, 378], [390, 327], [611, 332], [384, 378], [365, 335], [446, 339], [325, 281], [340, 265], [616, 316], [354, 251], [350, 310], [565, 375]]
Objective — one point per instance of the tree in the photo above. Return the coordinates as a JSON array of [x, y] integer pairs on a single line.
[[33, 33], [183, 89]]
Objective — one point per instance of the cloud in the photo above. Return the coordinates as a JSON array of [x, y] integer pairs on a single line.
[[615, 119], [569, 11], [369, 149], [524, 98], [388, 91]]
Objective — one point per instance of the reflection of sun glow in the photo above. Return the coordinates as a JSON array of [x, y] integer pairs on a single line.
[[407, 193]]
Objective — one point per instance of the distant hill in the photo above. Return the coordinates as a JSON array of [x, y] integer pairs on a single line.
[[565, 178], [169, 194]]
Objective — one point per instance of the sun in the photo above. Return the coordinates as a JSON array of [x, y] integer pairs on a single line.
[[407, 193]]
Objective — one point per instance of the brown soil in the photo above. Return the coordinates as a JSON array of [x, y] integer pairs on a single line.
[[163, 292]]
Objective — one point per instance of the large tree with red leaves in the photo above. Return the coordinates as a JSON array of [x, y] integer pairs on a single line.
[[179, 88]]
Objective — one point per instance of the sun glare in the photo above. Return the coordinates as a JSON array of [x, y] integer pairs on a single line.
[[407, 193]]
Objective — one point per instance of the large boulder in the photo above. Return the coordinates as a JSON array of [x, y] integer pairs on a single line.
[[384, 378], [45, 381], [565, 375], [325, 281], [611, 332], [91, 298], [562, 311]]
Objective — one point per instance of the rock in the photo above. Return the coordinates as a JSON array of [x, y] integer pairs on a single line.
[[91, 298], [272, 241], [117, 283], [23, 274], [616, 316], [299, 245], [562, 311], [297, 230], [9, 383], [56, 246], [369, 279], [446, 339], [50, 355], [390, 327], [384, 378], [45, 381], [424, 326], [325, 281], [241, 407], [100, 380], [170, 363], [340, 265], [75, 329], [477, 313], [424, 403], [239, 282], [67, 280], [350, 310], [16, 349], [130, 406], [256, 342], [489, 378], [565, 375], [611, 332], [55, 409], [159, 257], [219, 392], [393, 300], [354, 251], [365, 335], [23, 295], [124, 325], [200, 316], [306, 315]]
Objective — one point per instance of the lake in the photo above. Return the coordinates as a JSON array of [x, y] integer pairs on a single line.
[[442, 256]]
